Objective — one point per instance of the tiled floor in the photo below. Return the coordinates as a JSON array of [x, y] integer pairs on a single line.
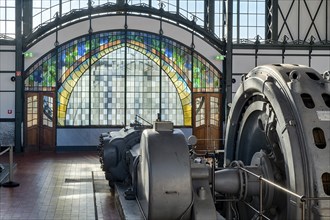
[[57, 186]]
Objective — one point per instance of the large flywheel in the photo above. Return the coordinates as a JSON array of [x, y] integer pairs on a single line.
[[281, 113]]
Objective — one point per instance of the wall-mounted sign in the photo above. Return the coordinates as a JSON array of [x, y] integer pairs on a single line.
[[10, 111], [28, 54]]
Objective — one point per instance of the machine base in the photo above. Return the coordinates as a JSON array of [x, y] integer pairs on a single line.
[[128, 209]]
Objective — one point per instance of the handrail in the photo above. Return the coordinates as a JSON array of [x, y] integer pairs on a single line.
[[303, 199], [3, 152], [10, 183], [273, 184]]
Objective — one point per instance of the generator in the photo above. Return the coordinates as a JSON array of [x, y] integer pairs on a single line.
[[276, 158]]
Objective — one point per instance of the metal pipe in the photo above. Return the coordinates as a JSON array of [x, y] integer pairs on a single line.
[[260, 198], [275, 185], [3, 152], [10, 183], [10, 164], [229, 214], [316, 198], [301, 198], [303, 211], [256, 210], [227, 181]]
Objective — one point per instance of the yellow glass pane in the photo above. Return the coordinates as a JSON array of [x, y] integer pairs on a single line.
[[171, 74], [185, 101], [61, 115], [62, 108], [187, 121], [60, 121], [67, 88]]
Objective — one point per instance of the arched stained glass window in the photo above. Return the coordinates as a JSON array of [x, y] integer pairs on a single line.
[[42, 75], [205, 77], [108, 92], [100, 82], [72, 55]]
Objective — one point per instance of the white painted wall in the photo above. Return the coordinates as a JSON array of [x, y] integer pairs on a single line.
[[321, 60], [7, 60], [244, 60], [116, 22], [5, 82], [7, 87], [7, 106]]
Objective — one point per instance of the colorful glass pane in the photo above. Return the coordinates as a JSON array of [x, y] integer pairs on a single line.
[[205, 77], [187, 71], [42, 75]]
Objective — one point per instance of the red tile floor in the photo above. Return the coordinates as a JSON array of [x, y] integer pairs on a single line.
[[65, 185]]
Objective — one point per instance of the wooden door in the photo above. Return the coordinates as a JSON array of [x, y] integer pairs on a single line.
[[207, 123], [40, 121]]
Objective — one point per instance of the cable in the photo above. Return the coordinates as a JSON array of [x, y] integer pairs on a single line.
[[189, 207]]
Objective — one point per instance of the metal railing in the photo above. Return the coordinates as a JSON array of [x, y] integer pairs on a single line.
[[10, 183], [302, 198]]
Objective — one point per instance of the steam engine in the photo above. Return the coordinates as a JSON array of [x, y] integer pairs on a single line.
[[276, 165]]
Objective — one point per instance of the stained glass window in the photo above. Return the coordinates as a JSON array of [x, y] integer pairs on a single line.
[[78, 113], [108, 87], [171, 105], [70, 56], [42, 75], [47, 116], [205, 77], [107, 90], [102, 83], [143, 87]]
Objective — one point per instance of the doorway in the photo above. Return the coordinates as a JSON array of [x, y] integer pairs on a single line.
[[40, 121], [207, 121]]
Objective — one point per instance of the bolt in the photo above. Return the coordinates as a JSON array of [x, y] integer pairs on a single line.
[[202, 193]]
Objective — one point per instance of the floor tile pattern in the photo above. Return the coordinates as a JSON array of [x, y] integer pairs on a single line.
[[57, 186]]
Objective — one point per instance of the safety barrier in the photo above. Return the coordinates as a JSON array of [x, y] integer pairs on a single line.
[[10, 183], [302, 198]]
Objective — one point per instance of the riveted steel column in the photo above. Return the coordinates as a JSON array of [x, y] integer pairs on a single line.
[[209, 15], [90, 33], [275, 20], [228, 59], [125, 68], [19, 78], [27, 17], [272, 20]]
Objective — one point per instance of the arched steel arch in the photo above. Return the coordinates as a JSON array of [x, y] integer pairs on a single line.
[[110, 9]]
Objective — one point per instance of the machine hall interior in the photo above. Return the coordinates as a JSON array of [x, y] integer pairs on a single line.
[[194, 109]]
